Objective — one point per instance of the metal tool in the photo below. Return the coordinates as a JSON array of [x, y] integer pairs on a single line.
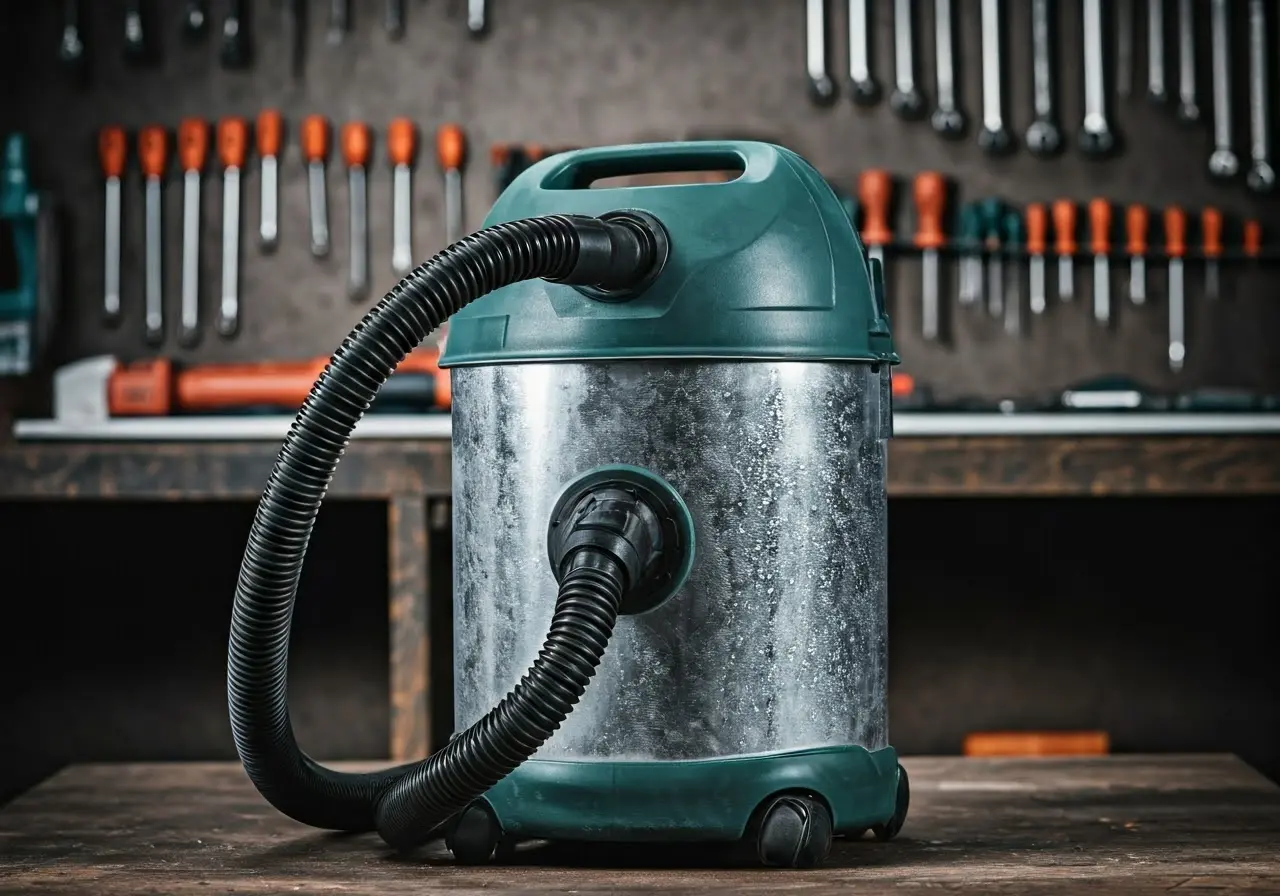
[[393, 20], [451, 153], [71, 47], [233, 149], [315, 148], [995, 138], [137, 34], [906, 100], [236, 52], [193, 151], [1261, 177], [1211, 239], [355, 152], [1175, 236], [947, 119], [1157, 89], [875, 191], [1223, 163], [863, 87], [1013, 238], [1044, 137], [1037, 242], [992, 230], [1137, 224], [1188, 111], [1100, 246], [1064, 246], [930, 198], [401, 147], [270, 134], [822, 90], [152, 156], [113, 150], [970, 239], [195, 20], [477, 18], [339, 22], [1124, 47], [1096, 137]]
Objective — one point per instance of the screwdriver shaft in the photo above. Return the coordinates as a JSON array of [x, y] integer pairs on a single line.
[[453, 205], [154, 303], [1212, 279], [358, 282], [268, 229], [929, 285], [1177, 316], [319, 210], [1013, 307], [111, 272], [190, 254], [1066, 278], [1039, 297], [1137, 279], [1101, 289], [995, 284], [229, 307], [402, 220]]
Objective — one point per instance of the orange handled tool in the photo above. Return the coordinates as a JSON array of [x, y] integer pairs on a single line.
[[270, 134], [1252, 239], [1100, 246], [233, 142], [402, 141], [315, 138], [356, 144], [1211, 230], [193, 153], [315, 148], [875, 192], [152, 150], [451, 152], [356, 147], [113, 150], [930, 193], [1064, 245], [1136, 226], [233, 149], [402, 146], [1175, 246], [1037, 244], [193, 144]]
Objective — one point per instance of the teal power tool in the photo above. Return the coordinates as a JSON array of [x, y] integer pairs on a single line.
[[670, 408], [28, 265]]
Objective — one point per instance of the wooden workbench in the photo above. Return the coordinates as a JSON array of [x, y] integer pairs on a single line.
[[1125, 825]]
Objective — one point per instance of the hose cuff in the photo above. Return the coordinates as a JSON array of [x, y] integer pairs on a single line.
[[620, 254]]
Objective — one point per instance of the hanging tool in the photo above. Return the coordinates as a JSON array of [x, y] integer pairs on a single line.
[[1261, 177], [992, 211], [875, 192], [906, 100], [863, 88], [195, 20], [236, 52], [1224, 163], [1064, 246], [1175, 237], [270, 133], [1037, 242], [1096, 137], [295, 35], [112, 152], [233, 148], [193, 151], [1044, 138], [1211, 232], [339, 21], [822, 90], [315, 149], [401, 147], [137, 34], [393, 20], [1157, 89], [1124, 47], [71, 47], [995, 138], [1136, 225], [30, 282], [947, 119], [970, 241], [151, 155], [1251, 240], [931, 197], [1014, 237], [355, 152], [477, 18], [1188, 111], [451, 153], [1100, 246]]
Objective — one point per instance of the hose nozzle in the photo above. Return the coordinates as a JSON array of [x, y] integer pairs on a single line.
[[620, 254]]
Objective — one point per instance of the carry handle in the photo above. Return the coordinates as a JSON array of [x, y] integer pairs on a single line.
[[585, 166]]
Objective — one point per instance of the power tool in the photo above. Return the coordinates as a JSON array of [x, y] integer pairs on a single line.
[[670, 409], [29, 274]]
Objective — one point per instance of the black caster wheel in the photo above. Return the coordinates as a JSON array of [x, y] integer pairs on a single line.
[[795, 832], [902, 801], [475, 836]]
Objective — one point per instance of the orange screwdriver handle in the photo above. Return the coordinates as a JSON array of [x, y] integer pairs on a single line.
[[113, 150], [1252, 242], [931, 198], [451, 147], [1037, 228], [1137, 223], [1064, 227], [1211, 228], [874, 191], [402, 141], [315, 138], [193, 144], [233, 142], [152, 150], [1099, 226], [1175, 232], [270, 132], [355, 144]]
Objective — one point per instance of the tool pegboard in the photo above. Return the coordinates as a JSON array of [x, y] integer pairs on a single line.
[[563, 73]]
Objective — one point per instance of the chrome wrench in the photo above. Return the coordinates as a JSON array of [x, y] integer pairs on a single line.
[[822, 90], [948, 121], [1188, 111], [995, 138], [1044, 138], [906, 100], [863, 88], [1261, 177], [1096, 138], [1157, 91], [1224, 163]]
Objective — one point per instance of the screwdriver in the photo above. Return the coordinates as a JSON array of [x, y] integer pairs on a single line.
[[1136, 226], [315, 147], [1013, 240], [355, 151], [1175, 238], [270, 131], [233, 147], [875, 188], [992, 211], [930, 196], [451, 152], [151, 155], [1211, 229], [112, 151], [1064, 245], [193, 150], [1100, 245], [971, 254], [1037, 240], [1252, 239], [401, 146]]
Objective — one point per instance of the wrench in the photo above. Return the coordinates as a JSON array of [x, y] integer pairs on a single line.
[[1224, 163], [1188, 111], [822, 90], [1044, 138], [1096, 138], [995, 138], [863, 88], [393, 19], [1261, 177], [235, 36], [948, 121], [477, 18], [339, 22], [71, 48], [1157, 92], [906, 100], [195, 20], [1124, 47], [137, 34]]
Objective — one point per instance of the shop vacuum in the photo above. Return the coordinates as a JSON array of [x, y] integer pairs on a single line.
[[670, 413]]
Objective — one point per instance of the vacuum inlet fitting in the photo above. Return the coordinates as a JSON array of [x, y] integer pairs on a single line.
[[620, 254]]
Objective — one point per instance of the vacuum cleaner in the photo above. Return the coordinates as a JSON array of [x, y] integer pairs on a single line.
[[671, 405]]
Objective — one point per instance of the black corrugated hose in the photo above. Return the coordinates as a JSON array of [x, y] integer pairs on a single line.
[[408, 804]]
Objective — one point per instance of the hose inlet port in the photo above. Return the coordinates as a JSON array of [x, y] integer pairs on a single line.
[[622, 253]]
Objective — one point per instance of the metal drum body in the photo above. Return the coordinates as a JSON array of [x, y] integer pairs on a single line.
[[778, 639]]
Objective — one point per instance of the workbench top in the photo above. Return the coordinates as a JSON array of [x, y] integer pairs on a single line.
[[1125, 825]]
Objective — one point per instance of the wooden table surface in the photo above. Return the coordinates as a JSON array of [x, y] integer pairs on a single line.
[[1131, 825]]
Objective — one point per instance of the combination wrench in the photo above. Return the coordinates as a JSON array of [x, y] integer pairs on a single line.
[[948, 121], [995, 138], [1188, 111], [1157, 91], [1224, 163], [1044, 138], [1261, 177], [1096, 137], [906, 100], [863, 88], [822, 90]]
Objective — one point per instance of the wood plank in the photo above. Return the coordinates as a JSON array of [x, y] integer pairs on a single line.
[[409, 566], [1105, 825]]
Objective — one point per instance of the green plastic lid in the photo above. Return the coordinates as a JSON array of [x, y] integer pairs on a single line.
[[767, 265]]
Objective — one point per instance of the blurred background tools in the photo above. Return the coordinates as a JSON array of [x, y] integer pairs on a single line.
[[30, 264]]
